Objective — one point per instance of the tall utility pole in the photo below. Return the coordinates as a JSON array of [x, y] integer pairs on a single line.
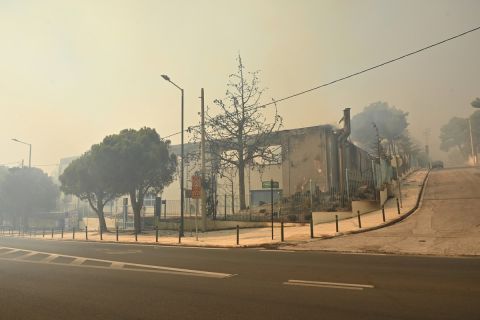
[[427, 147], [379, 153], [474, 156], [202, 146], [399, 183]]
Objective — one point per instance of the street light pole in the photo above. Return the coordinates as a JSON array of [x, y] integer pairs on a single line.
[[29, 151], [182, 194]]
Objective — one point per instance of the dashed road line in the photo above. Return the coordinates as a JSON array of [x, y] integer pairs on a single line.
[[107, 264]]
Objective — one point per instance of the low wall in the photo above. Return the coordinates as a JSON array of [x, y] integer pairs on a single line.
[[383, 196], [189, 224], [327, 216], [364, 206]]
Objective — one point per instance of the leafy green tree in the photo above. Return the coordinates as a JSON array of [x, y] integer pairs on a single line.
[[390, 121], [456, 134], [26, 191], [144, 165], [476, 103], [3, 174], [92, 178]]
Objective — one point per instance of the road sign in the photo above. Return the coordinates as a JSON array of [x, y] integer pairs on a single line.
[[269, 185], [196, 187]]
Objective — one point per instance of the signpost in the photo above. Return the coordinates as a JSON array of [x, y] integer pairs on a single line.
[[196, 187], [196, 194], [271, 185], [125, 212]]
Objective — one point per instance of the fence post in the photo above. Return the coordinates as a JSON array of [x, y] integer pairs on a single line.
[[156, 233], [238, 235], [116, 233], [359, 220], [398, 206], [336, 222], [311, 228], [383, 213], [271, 198], [282, 238], [86, 232]]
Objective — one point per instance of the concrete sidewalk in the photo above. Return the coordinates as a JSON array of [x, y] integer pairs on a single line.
[[253, 237], [447, 222]]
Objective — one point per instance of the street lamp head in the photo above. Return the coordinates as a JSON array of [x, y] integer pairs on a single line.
[[164, 76]]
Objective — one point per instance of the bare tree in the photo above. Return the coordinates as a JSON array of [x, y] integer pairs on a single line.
[[237, 131]]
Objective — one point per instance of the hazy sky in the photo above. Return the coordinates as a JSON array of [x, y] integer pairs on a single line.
[[72, 72]]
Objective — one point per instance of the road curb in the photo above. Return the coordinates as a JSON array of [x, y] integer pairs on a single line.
[[380, 226]]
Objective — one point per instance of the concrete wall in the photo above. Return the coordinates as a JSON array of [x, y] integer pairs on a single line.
[[189, 224], [306, 155], [383, 196], [364, 206], [323, 217]]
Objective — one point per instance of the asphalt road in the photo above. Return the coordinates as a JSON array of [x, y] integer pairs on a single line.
[[447, 222], [384, 287]]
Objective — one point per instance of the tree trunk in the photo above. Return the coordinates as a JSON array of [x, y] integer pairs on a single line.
[[137, 207], [241, 183], [101, 216]]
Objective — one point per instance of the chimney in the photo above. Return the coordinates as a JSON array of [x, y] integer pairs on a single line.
[[346, 122]]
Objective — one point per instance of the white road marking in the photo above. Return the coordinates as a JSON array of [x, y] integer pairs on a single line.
[[10, 250], [78, 261], [333, 285], [49, 258], [116, 265], [29, 254]]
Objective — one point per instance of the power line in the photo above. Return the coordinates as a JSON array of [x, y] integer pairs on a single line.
[[359, 72], [372, 68]]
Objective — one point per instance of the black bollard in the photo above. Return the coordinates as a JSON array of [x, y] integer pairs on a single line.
[[52, 233], [359, 220], [398, 206], [43, 234], [101, 233], [73, 233], [86, 233], [116, 233], [156, 233], [282, 238], [136, 235], [383, 213], [62, 233], [238, 235], [336, 223], [311, 229]]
